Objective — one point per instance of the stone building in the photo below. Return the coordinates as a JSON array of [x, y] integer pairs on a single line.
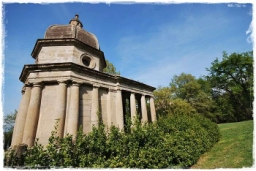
[[67, 84]]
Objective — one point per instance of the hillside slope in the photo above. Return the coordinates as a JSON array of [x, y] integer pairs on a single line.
[[234, 150]]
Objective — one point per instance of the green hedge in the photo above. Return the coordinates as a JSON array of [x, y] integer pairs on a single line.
[[175, 141], [190, 136]]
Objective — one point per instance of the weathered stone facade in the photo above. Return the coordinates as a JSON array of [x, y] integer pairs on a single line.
[[67, 84]]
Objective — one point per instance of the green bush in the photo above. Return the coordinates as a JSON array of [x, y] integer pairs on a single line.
[[191, 136], [175, 141]]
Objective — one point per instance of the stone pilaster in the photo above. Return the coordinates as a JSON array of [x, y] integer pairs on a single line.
[[60, 109], [144, 109], [133, 106], [73, 110], [119, 109], [32, 115], [21, 116], [95, 106], [152, 109], [109, 108]]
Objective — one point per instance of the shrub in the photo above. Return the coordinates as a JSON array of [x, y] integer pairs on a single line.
[[179, 106], [173, 141], [190, 136]]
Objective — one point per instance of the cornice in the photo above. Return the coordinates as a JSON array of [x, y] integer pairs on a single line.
[[69, 66], [65, 42]]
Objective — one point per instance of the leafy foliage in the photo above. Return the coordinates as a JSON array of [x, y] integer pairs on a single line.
[[232, 82], [110, 69], [163, 97], [224, 95], [186, 94], [179, 106], [9, 121], [175, 141], [189, 136], [185, 86]]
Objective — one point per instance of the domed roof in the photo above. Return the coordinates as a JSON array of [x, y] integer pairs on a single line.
[[73, 30]]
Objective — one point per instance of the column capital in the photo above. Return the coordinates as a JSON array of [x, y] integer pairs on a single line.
[[110, 89], [75, 84], [118, 89], [28, 84], [152, 96], [62, 81], [96, 86], [74, 81], [25, 86], [37, 84], [118, 86], [23, 89]]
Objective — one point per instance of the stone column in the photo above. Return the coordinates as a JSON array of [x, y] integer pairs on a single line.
[[73, 111], [152, 109], [21, 116], [133, 107], [109, 108], [144, 109], [60, 109], [119, 109], [32, 115], [95, 106]]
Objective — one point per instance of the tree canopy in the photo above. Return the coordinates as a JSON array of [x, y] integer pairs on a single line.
[[232, 81], [9, 121], [224, 95], [110, 69]]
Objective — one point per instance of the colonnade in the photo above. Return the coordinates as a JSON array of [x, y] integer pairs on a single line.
[[67, 111], [138, 106]]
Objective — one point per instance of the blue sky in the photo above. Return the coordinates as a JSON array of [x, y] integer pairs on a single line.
[[149, 43]]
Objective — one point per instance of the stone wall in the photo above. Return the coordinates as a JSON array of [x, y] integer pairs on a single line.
[[47, 119], [85, 100], [73, 95], [103, 93], [60, 54]]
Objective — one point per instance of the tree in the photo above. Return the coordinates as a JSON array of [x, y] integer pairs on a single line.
[[186, 94], [163, 97], [179, 106], [110, 69], [232, 83], [185, 86], [9, 121], [196, 92]]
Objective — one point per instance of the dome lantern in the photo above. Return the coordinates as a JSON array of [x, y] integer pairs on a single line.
[[76, 22], [69, 43], [73, 30]]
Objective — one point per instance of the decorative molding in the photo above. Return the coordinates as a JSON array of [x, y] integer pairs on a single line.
[[120, 82]]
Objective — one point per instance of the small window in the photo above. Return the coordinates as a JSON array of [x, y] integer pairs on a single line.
[[86, 61]]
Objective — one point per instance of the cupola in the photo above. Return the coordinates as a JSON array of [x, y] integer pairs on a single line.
[[69, 43], [73, 30]]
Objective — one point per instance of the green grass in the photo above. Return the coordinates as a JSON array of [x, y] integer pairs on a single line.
[[234, 150]]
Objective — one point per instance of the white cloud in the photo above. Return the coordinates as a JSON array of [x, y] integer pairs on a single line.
[[170, 50], [249, 33]]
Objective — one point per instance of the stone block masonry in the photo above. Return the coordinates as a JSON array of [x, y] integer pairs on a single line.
[[66, 85]]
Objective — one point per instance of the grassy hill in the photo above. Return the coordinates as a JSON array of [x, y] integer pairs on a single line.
[[234, 150]]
